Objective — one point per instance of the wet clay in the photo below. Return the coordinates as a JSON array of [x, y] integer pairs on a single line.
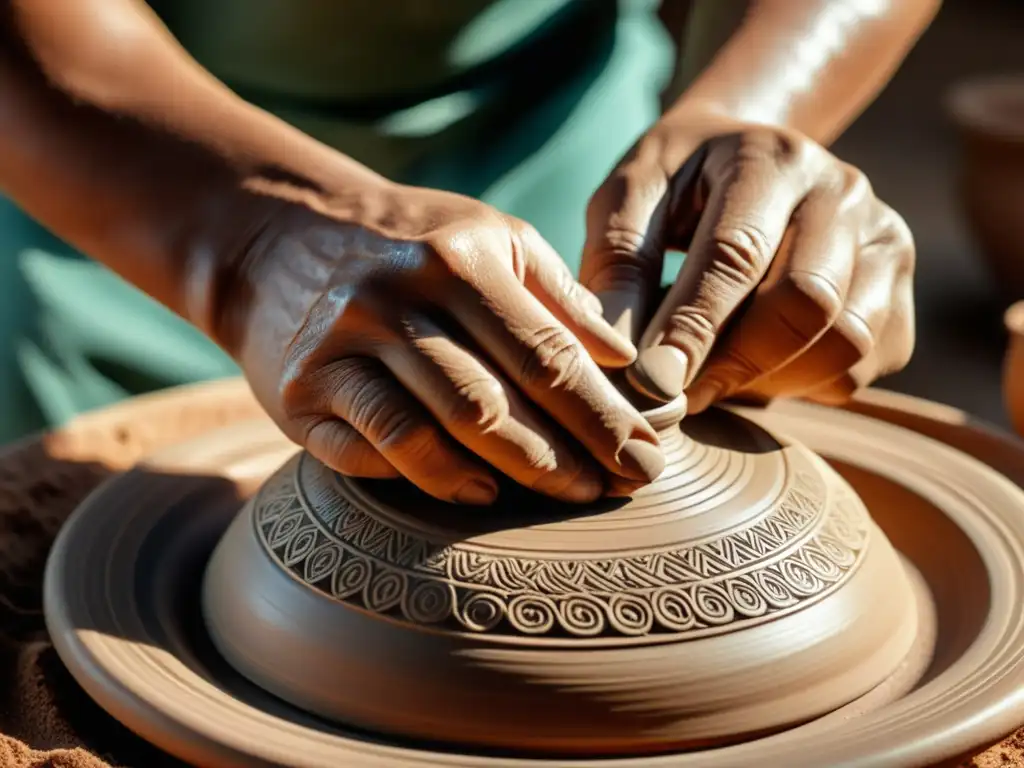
[[146, 658], [746, 590], [989, 114]]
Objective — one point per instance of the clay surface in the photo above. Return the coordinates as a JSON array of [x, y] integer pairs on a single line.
[[43, 479], [989, 114], [128, 677], [748, 581]]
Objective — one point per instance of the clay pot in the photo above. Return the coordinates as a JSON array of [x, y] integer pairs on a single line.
[[125, 577], [1013, 366], [745, 591], [989, 114]]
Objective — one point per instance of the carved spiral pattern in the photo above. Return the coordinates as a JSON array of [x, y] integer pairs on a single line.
[[482, 612], [351, 577], [792, 555], [532, 614], [746, 598], [385, 591], [429, 602], [630, 615], [674, 610]]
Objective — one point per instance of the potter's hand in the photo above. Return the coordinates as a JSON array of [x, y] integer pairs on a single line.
[[364, 319], [797, 280]]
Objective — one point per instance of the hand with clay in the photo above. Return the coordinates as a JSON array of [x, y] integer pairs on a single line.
[[389, 330], [797, 280], [361, 327], [401, 331]]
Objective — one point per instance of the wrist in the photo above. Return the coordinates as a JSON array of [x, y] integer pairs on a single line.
[[700, 114]]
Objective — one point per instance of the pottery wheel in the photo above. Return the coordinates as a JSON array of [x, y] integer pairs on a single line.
[[123, 586]]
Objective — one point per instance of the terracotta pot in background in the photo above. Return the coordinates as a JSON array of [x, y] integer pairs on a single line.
[[1013, 367], [989, 114]]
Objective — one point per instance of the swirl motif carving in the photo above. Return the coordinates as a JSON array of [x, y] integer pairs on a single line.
[[796, 552]]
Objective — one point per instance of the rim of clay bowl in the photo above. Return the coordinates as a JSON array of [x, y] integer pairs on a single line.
[[664, 416], [989, 105]]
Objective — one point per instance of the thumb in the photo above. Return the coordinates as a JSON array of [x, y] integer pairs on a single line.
[[625, 244]]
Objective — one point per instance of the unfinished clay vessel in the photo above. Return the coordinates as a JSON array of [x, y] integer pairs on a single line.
[[745, 591], [989, 114]]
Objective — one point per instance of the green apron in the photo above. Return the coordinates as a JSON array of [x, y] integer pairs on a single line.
[[524, 104]]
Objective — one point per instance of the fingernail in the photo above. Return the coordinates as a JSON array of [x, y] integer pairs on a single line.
[[641, 460], [476, 492], [703, 395], [659, 373]]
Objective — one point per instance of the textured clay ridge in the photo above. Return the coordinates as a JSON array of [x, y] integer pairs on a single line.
[[794, 554]]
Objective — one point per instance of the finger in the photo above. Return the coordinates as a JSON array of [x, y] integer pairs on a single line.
[[485, 414], [855, 335], [799, 300], [550, 366], [751, 198], [548, 278], [627, 223], [363, 393], [339, 446], [893, 355]]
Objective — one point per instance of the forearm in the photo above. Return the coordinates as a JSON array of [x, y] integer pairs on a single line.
[[115, 139], [811, 65]]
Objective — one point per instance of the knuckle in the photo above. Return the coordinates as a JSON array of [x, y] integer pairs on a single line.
[[481, 405], [339, 444], [817, 294], [616, 267], [779, 147], [743, 250], [857, 187], [555, 359], [399, 431], [691, 329]]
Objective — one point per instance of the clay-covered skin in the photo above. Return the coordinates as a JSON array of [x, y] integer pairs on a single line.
[[405, 331], [359, 309], [798, 280], [364, 329]]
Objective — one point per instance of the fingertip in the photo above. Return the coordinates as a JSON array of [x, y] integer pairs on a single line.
[[640, 460], [659, 373]]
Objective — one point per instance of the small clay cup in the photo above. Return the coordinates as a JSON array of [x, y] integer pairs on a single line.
[[989, 115]]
